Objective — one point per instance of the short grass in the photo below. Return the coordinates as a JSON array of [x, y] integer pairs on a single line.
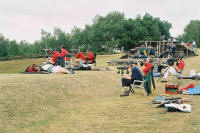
[[87, 102]]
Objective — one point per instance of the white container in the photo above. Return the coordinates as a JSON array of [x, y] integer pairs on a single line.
[[192, 73]]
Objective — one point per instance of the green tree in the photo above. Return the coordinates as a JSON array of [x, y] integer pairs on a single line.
[[192, 32]]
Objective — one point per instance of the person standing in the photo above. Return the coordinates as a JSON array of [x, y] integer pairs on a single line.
[[64, 55]]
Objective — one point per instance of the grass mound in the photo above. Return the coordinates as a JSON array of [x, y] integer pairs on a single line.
[[86, 102]]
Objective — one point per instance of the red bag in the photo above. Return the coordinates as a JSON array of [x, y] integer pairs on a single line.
[[32, 68], [189, 86]]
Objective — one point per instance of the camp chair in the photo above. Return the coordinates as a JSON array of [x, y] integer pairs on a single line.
[[179, 76], [138, 84], [159, 75]]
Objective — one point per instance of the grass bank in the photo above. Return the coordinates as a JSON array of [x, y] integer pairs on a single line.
[[87, 102]]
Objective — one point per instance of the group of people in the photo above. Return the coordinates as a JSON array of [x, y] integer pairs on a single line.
[[139, 72], [191, 45], [64, 56], [171, 50], [57, 62], [144, 53]]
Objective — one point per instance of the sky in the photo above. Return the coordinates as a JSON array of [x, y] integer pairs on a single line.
[[24, 19]]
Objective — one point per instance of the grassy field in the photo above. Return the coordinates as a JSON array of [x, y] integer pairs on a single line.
[[87, 102]]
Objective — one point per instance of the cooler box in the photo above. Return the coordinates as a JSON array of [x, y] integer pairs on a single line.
[[171, 89]]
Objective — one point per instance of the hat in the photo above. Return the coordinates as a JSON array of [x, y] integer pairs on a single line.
[[51, 50], [180, 57]]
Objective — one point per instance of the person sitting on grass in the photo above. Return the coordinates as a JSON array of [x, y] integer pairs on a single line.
[[128, 80], [174, 69], [49, 67]]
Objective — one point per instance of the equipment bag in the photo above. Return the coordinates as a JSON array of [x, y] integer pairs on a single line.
[[32, 68]]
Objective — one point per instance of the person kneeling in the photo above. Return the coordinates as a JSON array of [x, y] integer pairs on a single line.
[[128, 80]]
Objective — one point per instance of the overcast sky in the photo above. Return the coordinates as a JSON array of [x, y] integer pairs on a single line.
[[24, 19]]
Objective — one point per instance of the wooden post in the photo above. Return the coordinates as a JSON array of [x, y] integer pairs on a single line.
[[149, 50], [163, 48], [157, 48], [146, 44]]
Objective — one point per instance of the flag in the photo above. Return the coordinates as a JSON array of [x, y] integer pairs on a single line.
[[149, 83], [144, 51]]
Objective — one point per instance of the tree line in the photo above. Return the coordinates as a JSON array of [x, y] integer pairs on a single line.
[[112, 31]]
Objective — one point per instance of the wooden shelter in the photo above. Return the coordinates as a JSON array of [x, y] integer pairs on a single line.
[[161, 46]]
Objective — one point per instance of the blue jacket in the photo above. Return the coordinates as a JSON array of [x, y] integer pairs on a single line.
[[136, 74]]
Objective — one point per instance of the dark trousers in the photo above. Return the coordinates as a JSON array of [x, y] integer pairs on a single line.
[[126, 82], [60, 61], [160, 67]]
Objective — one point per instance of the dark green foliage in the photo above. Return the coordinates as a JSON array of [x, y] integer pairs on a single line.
[[105, 34]]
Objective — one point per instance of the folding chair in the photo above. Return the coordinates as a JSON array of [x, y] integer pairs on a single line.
[[137, 84], [179, 76]]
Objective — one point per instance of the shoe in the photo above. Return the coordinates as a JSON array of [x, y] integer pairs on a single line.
[[126, 93], [164, 80], [71, 72]]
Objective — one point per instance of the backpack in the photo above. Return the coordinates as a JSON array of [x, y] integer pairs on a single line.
[[32, 68]]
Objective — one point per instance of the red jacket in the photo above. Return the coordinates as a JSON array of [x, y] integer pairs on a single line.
[[189, 45], [76, 55], [81, 55], [90, 56], [147, 68], [181, 65], [64, 52], [55, 56]]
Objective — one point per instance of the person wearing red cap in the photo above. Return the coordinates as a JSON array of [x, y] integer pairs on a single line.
[[90, 56]]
